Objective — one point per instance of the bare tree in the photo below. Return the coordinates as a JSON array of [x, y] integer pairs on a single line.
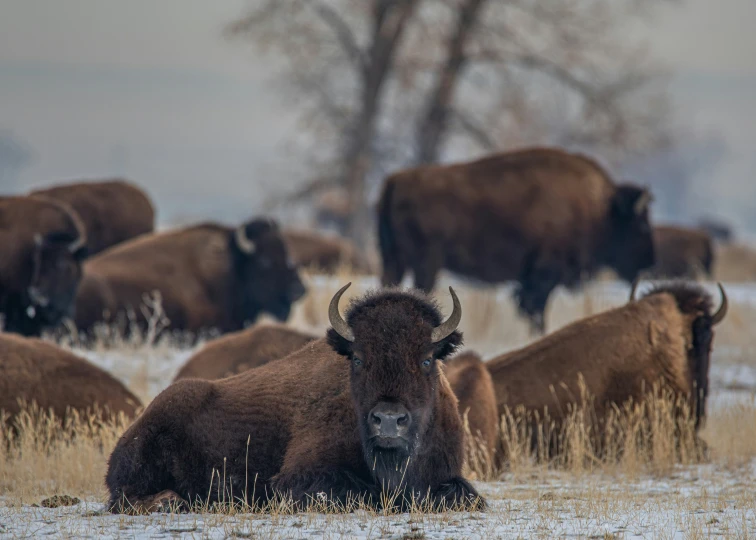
[[386, 83]]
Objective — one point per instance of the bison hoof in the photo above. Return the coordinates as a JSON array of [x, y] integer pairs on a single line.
[[458, 494]]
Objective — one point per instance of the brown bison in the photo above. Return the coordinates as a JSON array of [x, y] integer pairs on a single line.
[[112, 211], [474, 388], [239, 351], [682, 253], [541, 217], [364, 410], [208, 276], [621, 354], [33, 371], [322, 253], [42, 243]]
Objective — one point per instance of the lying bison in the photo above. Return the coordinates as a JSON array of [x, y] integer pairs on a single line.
[[208, 276], [112, 211], [682, 253], [33, 371], [473, 386], [323, 253], [239, 351], [664, 338], [364, 410], [541, 217], [42, 243]]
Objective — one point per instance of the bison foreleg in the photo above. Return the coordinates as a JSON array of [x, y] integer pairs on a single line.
[[331, 486], [457, 494]]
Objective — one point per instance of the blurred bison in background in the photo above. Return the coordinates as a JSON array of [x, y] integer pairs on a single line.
[[682, 253], [542, 217], [718, 230], [33, 371], [323, 253], [665, 338], [366, 410], [112, 211], [208, 277], [42, 243], [246, 349]]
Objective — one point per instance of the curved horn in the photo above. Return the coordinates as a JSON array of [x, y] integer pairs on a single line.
[[633, 288], [450, 324], [334, 317], [76, 245], [642, 202], [245, 244], [719, 316]]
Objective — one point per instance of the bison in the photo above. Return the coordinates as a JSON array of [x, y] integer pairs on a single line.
[[112, 211], [541, 217], [682, 253], [34, 371], [209, 277], [43, 243], [664, 338], [322, 253], [364, 410], [239, 351], [473, 386]]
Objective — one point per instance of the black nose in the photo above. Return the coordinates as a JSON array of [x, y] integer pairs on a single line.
[[389, 420]]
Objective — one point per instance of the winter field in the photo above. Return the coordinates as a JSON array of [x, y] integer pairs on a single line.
[[655, 494]]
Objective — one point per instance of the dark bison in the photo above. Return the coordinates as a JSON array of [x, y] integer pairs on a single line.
[[209, 276], [322, 253], [682, 253], [239, 351], [718, 230], [42, 243], [541, 217], [365, 409], [664, 338], [112, 211], [473, 386], [33, 371]]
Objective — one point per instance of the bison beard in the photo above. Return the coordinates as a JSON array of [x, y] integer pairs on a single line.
[[306, 419]]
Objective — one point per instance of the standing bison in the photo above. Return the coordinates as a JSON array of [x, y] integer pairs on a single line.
[[541, 217], [364, 410], [35, 372], [42, 243], [208, 276], [682, 253], [112, 211], [664, 338]]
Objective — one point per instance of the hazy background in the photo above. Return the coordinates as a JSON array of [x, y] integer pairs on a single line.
[[152, 91]]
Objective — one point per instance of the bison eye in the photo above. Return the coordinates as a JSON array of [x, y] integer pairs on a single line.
[[356, 361], [427, 362]]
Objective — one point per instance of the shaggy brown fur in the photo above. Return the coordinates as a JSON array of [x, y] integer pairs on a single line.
[[298, 426], [34, 371], [112, 210], [665, 337], [323, 253], [42, 245], [541, 217], [682, 253], [239, 351], [473, 386], [205, 279]]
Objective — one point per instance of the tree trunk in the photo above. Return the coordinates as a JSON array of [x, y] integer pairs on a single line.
[[433, 123]]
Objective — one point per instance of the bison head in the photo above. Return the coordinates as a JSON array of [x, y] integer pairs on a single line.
[[630, 246], [267, 279], [394, 342], [55, 276]]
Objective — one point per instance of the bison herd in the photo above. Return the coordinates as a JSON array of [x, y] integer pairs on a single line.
[[379, 403]]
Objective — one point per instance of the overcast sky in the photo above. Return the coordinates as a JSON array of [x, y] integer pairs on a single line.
[[151, 89]]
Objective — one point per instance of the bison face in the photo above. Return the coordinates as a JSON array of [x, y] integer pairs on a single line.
[[393, 343], [631, 245], [267, 278], [56, 272]]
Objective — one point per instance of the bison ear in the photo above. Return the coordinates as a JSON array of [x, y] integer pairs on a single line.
[[448, 345], [338, 343]]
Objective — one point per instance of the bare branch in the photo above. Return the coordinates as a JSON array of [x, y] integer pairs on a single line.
[[343, 33]]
